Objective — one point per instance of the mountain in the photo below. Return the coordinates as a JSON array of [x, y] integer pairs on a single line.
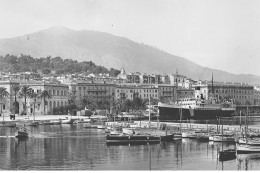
[[111, 51]]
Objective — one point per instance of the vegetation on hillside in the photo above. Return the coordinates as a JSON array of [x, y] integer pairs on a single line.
[[26, 63]]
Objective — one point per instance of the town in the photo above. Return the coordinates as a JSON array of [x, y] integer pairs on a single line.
[[74, 92]]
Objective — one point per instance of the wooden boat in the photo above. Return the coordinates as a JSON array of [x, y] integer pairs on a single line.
[[34, 123], [47, 122], [227, 154], [128, 131], [222, 138], [132, 139], [203, 136], [67, 121], [84, 120], [7, 124], [56, 122], [189, 134], [89, 125], [101, 127], [21, 133]]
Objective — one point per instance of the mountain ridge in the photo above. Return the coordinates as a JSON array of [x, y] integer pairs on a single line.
[[112, 52]]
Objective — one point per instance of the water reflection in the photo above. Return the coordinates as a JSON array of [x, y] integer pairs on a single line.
[[71, 147]]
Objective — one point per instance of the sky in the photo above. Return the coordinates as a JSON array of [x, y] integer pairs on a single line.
[[220, 34]]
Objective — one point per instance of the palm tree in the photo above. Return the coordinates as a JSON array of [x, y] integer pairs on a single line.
[[15, 90], [34, 96], [45, 95], [3, 95], [24, 92]]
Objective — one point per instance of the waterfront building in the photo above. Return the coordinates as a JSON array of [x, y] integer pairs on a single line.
[[167, 93], [57, 91], [242, 93], [130, 91], [7, 104], [257, 95], [185, 93], [99, 90]]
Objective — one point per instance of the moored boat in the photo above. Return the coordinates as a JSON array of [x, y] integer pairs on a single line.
[[132, 139], [227, 154], [21, 133], [194, 109]]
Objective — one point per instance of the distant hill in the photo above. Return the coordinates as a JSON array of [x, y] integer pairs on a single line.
[[111, 51]]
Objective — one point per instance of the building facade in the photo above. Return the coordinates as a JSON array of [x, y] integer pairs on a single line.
[[130, 91], [167, 93], [97, 90], [242, 93]]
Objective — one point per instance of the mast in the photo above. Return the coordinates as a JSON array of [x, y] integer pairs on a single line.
[[149, 112]]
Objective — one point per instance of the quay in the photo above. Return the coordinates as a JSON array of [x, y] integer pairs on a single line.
[[40, 118]]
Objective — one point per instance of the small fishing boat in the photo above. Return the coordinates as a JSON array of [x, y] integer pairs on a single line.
[[101, 127], [203, 136], [89, 125], [47, 122], [21, 133], [34, 123], [222, 138], [67, 121], [56, 122], [189, 134], [227, 154]]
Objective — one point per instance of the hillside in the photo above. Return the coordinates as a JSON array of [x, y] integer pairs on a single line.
[[111, 51]]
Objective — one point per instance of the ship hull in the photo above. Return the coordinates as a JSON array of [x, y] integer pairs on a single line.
[[173, 113]]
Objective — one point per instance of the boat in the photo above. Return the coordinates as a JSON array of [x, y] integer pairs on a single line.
[[89, 125], [246, 145], [222, 138], [227, 154], [203, 136], [56, 122], [47, 122], [21, 133], [101, 127], [84, 120], [67, 121], [4, 124], [189, 134], [128, 131], [34, 123], [194, 109], [132, 139]]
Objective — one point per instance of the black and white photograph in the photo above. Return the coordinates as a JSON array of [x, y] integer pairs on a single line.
[[129, 85]]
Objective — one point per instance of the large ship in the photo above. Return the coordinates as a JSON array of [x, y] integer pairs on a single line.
[[195, 109]]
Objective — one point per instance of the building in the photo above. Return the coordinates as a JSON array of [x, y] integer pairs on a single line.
[[130, 91], [99, 90], [185, 93], [242, 93], [58, 92], [167, 93]]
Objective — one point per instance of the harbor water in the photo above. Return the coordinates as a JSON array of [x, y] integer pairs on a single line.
[[72, 147]]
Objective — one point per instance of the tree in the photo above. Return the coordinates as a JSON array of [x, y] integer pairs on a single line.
[[15, 90], [87, 102], [24, 93], [46, 71], [34, 96], [44, 95], [3, 95], [127, 105], [139, 103]]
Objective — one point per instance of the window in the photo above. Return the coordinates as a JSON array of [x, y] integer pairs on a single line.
[[79, 88], [3, 106]]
